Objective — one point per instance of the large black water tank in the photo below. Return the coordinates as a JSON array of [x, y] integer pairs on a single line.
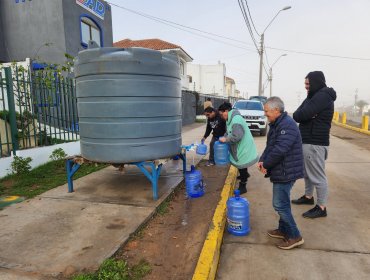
[[129, 104]]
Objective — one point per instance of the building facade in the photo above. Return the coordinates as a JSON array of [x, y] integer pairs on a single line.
[[230, 87], [208, 79], [46, 30]]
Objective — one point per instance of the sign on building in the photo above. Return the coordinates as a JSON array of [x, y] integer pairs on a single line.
[[94, 6]]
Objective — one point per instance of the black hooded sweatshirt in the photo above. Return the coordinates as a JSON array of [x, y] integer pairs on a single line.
[[217, 125], [316, 112]]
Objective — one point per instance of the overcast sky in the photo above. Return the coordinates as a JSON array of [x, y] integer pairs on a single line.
[[329, 27]]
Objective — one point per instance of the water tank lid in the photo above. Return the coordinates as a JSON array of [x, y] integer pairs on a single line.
[[139, 61]]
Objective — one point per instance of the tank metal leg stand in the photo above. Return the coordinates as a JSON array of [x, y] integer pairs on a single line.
[[152, 176], [71, 167], [183, 157]]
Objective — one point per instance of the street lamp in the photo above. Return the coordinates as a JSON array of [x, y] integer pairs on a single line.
[[270, 76], [261, 49]]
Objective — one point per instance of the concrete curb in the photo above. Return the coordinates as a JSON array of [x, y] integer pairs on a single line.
[[352, 128], [208, 260]]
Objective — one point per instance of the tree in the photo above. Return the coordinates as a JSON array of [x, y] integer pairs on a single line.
[[361, 104]]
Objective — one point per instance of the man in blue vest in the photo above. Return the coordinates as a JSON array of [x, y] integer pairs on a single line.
[[282, 162]]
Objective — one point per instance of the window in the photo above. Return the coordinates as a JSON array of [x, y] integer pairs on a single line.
[[89, 31], [245, 105], [182, 68]]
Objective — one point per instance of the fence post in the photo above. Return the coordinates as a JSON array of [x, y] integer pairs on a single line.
[[11, 105], [365, 122], [344, 118]]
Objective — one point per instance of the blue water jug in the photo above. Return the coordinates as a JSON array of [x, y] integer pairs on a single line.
[[238, 215], [221, 153], [202, 148], [194, 183]]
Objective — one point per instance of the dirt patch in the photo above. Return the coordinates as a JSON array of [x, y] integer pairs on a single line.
[[8, 184], [359, 139], [172, 242], [34, 187]]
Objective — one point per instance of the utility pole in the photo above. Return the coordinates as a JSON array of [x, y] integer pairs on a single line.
[[270, 79], [354, 107], [261, 65], [270, 74], [260, 93]]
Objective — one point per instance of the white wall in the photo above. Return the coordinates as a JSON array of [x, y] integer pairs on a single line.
[[208, 79], [184, 75], [39, 155]]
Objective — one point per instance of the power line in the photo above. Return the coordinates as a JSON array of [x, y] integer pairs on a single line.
[[241, 71], [267, 60], [246, 20], [319, 54], [264, 67], [177, 25], [225, 58], [250, 16]]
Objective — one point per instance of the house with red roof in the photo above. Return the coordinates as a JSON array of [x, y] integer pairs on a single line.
[[163, 46]]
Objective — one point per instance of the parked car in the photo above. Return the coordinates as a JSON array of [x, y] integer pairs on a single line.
[[253, 113], [263, 99]]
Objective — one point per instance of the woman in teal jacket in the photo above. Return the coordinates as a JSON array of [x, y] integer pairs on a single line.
[[243, 151]]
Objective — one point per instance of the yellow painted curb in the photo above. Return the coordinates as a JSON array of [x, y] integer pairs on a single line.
[[352, 128], [10, 198], [208, 260]]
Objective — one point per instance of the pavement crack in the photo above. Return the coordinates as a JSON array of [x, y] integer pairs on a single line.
[[348, 162], [300, 248], [97, 202]]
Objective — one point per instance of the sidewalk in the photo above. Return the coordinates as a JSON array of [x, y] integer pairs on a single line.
[[60, 233], [336, 247]]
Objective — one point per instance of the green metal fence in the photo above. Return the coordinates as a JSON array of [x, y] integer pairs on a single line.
[[37, 108]]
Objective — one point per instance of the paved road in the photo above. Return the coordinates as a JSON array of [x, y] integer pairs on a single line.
[[336, 247]]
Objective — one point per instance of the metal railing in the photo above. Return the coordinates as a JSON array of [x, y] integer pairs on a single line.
[[216, 101], [37, 108]]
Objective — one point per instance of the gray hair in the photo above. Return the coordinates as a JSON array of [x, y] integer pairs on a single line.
[[275, 102]]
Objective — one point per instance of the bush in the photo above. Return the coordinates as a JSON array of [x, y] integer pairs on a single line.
[[115, 270], [21, 165], [58, 154], [4, 115]]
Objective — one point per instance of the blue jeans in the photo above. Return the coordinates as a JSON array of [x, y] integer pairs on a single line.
[[212, 149], [281, 204]]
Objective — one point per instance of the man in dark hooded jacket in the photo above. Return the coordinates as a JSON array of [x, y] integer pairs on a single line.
[[314, 117]]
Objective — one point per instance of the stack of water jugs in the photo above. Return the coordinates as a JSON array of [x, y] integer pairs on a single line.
[[193, 178], [237, 207]]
